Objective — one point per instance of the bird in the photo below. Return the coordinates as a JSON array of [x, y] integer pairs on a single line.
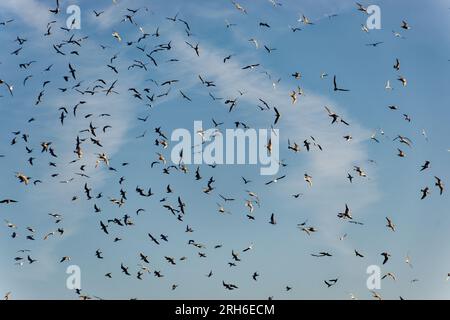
[[361, 8], [97, 14], [116, 35], [425, 192], [374, 44], [23, 178], [322, 254], [405, 25], [124, 269], [294, 146], [275, 180], [397, 64], [388, 85], [346, 214], [376, 295], [390, 225], [305, 20], [402, 80], [386, 257], [293, 96], [439, 184], [331, 282], [255, 42], [360, 171], [229, 286], [8, 201], [9, 87], [358, 254], [195, 48], [277, 115], [239, 7], [408, 260], [250, 66], [308, 179], [335, 87], [72, 71], [272, 219], [335, 117], [65, 258], [390, 275], [31, 260]]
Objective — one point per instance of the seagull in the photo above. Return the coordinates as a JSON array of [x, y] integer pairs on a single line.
[[239, 7], [439, 184], [388, 86], [7, 201], [304, 19], [308, 179], [389, 274], [425, 166], [386, 257], [404, 140], [293, 96], [335, 117], [402, 80], [374, 44], [255, 42], [390, 225], [405, 25], [228, 24], [425, 192], [335, 87], [361, 8], [275, 180], [295, 29], [9, 87], [196, 48], [397, 64], [408, 261], [116, 35], [97, 14], [346, 214], [272, 219]]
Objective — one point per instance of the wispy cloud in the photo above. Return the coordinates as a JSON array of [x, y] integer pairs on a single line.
[[30, 12], [299, 121]]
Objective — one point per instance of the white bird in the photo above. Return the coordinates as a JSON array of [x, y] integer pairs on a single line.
[[255, 42], [239, 7], [304, 19], [388, 86], [116, 35], [425, 134], [408, 260]]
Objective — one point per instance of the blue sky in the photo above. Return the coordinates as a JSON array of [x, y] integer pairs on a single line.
[[281, 253]]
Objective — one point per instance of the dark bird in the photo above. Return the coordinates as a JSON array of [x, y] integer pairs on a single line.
[[196, 48], [386, 257], [335, 87], [439, 184], [272, 219], [124, 269]]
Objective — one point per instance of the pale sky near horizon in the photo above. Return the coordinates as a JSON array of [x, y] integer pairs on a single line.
[[281, 253]]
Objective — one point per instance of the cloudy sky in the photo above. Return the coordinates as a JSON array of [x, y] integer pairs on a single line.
[[334, 44]]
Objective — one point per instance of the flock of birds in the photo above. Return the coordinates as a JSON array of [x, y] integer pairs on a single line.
[[174, 204]]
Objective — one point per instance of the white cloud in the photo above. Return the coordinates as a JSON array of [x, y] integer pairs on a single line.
[[30, 12]]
